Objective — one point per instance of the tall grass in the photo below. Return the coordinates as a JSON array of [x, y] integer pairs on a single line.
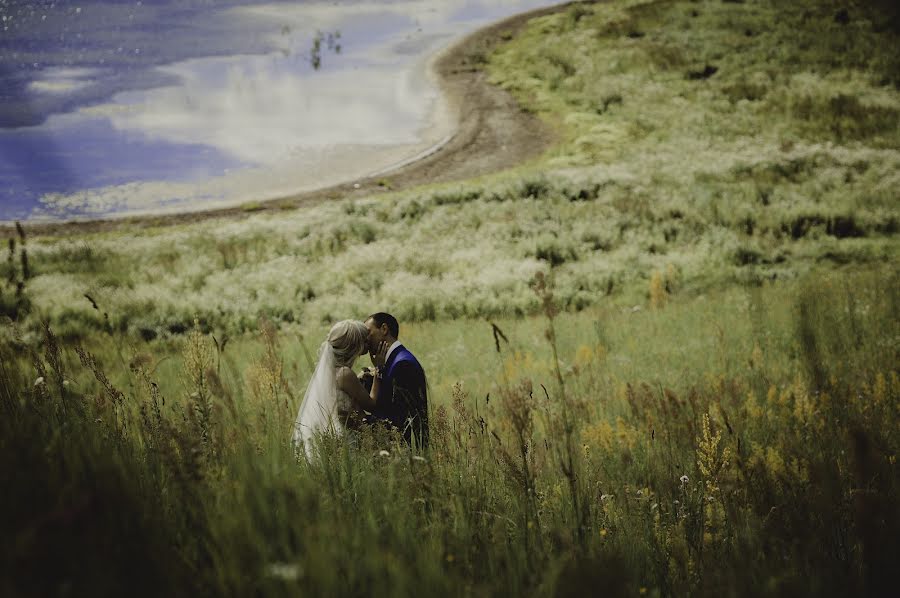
[[767, 467]]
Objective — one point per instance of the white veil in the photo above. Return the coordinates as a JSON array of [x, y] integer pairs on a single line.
[[318, 411]]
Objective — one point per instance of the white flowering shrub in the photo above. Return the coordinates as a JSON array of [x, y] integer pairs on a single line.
[[744, 171]]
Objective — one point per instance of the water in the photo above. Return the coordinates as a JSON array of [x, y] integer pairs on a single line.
[[115, 108]]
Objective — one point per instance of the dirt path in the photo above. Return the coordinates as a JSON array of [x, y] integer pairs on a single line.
[[493, 134]]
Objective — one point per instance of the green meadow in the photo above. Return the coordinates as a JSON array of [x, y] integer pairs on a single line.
[[662, 357]]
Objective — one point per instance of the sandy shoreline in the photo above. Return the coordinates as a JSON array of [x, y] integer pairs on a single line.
[[479, 129]]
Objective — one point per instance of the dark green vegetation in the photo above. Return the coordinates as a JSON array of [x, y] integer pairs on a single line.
[[768, 467], [703, 402]]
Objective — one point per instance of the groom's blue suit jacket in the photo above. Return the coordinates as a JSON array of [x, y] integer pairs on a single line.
[[403, 396]]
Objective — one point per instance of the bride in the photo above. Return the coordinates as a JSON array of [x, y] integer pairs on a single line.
[[334, 392]]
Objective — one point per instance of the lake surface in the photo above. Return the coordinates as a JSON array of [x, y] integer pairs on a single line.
[[118, 108]]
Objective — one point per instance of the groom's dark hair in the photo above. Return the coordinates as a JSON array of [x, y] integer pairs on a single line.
[[382, 318]]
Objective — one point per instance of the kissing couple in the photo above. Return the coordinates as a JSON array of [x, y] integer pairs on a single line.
[[392, 393]]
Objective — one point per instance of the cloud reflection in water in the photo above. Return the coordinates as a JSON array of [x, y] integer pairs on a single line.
[[252, 126]]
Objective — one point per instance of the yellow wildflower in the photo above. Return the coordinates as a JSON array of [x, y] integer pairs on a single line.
[[772, 396], [584, 355], [753, 408], [710, 460], [774, 462], [879, 390]]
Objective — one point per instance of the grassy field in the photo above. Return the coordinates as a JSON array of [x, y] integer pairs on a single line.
[[695, 391]]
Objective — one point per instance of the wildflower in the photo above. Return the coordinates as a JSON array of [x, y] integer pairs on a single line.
[[584, 355], [285, 571], [710, 460], [775, 462], [39, 381], [603, 532], [684, 479], [879, 389], [383, 453], [605, 497]]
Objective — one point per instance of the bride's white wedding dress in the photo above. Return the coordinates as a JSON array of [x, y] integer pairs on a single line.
[[325, 408], [324, 405]]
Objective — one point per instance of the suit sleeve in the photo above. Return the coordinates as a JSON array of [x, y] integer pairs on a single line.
[[410, 390]]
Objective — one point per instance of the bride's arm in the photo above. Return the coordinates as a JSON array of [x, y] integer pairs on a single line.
[[349, 383]]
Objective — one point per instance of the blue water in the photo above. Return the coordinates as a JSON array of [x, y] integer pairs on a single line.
[[99, 94], [123, 39], [89, 154]]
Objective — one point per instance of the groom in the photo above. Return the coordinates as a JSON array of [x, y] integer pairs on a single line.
[[402, 396]]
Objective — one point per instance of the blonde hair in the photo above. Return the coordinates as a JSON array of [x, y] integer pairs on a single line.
[[348, 339]]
